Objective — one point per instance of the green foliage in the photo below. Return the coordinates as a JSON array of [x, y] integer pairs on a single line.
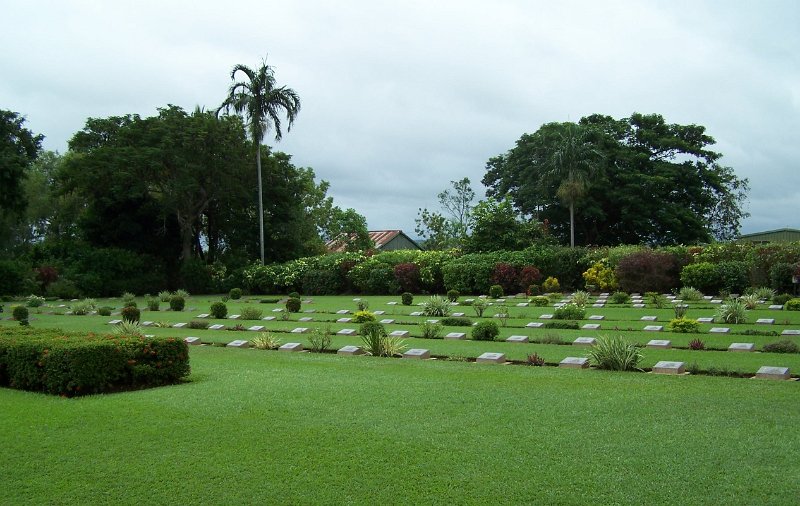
[[431, 330], [442, 232], [485, 331], [539, 301], [152, 303], [19, 147], [697, 344], [569, 311], [783, 346], [496, 226], [614, 353], [703, 275], [551, 284], [750, 301], [377, 342], [456, 321], [453, 295], [780, 276], [83, 307], [362, 305], [218, 310], [601, 276], [581, 298], [128, 329], [20, 314], [620, 298], [781, 299], [763, 293], [251, 313], [177, 303], [732, 311], [105, 311], [266, 341], [690, 294], [131, 314], [128, 299], [684, 325], [294, 295], [181, 293], [363, 317], [792, 305], [320, 339], [235, 293], [34, 301], [164, 296], [436, 306], [198, 324], [407, 298], [734, 276], [564, 325], [680, 310], [479, 305], [656, 299], [495, 291], [293, 305], [535, 360], [63, 289]]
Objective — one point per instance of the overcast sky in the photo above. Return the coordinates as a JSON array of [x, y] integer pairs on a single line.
[[400, 98]]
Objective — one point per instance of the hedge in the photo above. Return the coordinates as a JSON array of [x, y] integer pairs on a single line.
[[70, 364]]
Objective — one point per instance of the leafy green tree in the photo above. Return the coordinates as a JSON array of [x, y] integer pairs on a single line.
[[497, 226], [347, 230], [442, 232], [262, 104], [19, 147]]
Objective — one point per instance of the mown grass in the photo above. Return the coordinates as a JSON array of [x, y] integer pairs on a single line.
[[271, 427]]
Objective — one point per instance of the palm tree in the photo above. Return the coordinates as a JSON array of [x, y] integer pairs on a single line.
[[261, 104], [572, 162]]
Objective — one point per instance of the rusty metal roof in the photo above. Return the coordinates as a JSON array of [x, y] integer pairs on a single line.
[[380, 237]]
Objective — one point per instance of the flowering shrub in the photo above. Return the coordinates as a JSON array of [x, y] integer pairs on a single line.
[[551, 284], [601, 276]]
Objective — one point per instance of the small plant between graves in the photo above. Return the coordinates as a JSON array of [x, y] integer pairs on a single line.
[[266, 341], [733, 311], [164, 296], [34, 301], [362, 305], [431, 330], [562, 325], [496, 291], [20, 314], [407, 298], [453, 295], [128, 299], [377, 342], [697, 344], [539, 301], [551, 285], [689, 293], [251, 313], [177, 302], [792, 305], [684, 325], [456, 321], [581, 298], [235, 293], [131, 314], [479, 305], [569, 312], [129, 329], [535, 360], [293, 304], [198, 324], [750, 301], [615, 353], [218, 310], [320, 339], [152, 303], [363, 317], [620, 298], [783, 346], [436, 306], [485, 331]]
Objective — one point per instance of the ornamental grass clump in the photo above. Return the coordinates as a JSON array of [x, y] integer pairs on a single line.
[[535, 360], [733, 311], [251, 313], [128, 328], [436, 306], [689, 293], [615, 353], [764, 293], [377, 342], [83, 307], [697, 344], [266, 341], [164, 296], [581, 298], [750, 301]]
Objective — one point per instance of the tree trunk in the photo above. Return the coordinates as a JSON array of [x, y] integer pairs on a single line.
[[571, 225], [260, 203]]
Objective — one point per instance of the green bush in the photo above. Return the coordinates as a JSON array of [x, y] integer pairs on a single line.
[[733, 311], [783, 346], [251, 313], [620, 298], [105, 311], [63, 289], [734, 276], [322, 282], [294, 295], [177, 303], [71, 364], [614, 353], [164, 296], [479, 305], [363, 317], [20, 314], [684, 325], [293, 304], [436, 306], [12, 277], [781, 299], [485, 331], [431, 330], [780, 277], [34, 301], [128, 299], [319, 340], [198, 324], [551, 284], [581, 298], [750, 300], [689, 293], [564, 325], [407, 298], [218, 310], [131, 314], [453, 295], [569, 312], [235, 293], [703, 276], [456, 321], [496, 292], [539, 301], [83, 307], [534, 290], [153, 303], [792, 305]]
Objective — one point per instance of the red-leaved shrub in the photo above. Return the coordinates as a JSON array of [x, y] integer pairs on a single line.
[[507, 276], [648, 271], [407, 275]]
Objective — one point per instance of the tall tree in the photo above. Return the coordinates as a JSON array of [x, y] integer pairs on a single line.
[[19, 147], [262, 104], [440, 231]]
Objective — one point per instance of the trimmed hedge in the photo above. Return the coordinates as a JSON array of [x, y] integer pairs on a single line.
[[69, 364]]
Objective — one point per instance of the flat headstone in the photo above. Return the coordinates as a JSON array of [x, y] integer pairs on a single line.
[[679, 301], [597, 317], [708, 297], [638, 305], [522, 304], [653, 328], [669, 296], [590, 326], [500, 315], [203, 315], [398, 333], [179, 325], [790, 332], [432, 321], [350, 350], [146, 324], [649, 318], [291, 347], [69, 313], [742, 347], [559, 304], [665, 367], [277, 310], [115, 322], [343, 311], [149, 336], [417, 353], [346, 332], [379, 312], [416, 313], [256, 328], [344, 320], [300, 330], [469, 300], [775, 306], [216, 327], [599, 304], [705, 319], [192, 341], [517, 339], [239, 343], [491, 358], [775, 373], [458, 315], [234, 317], [310, 311], [305, 319], [454, 303], [719, 330], [565, 301], [392, 303], [268, 318], [584, 341], [604, 294], [500, 300], [456, 335], [387, 321], [357, 299], [546, 317], [574, 363], [766, 321], [662, 344], [535, 325], [716, 301]]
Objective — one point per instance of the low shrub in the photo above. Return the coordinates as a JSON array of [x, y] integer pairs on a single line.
[[294, 295], [620, 298], [680, 310], [363, 317], [235, 293], [697, 344], [181, 293], [266, 341], [535, 360], [269, 301], [496, 291], [407, 298], [105, 311], [436, 306], [320, 340], [684, 325], [456, 321], [164, 296], [656, 299], [792, 305], [131, 314], [218, 310], [153, 303], [781, 299], [565, 325], [453, 295], [198, 324], [601, 276], [377, 342], [293, 304], [431, 330], [783, 346], [128, 299], [614, 353], [733, 311], [362, 305], [20, 314], [485, 331], [251, 313], [581, 298], [551, 338], [750, 301], [177, 303], [689, 293], [569, 312], [757, 332], [34, 301], [539, 301], [129, 329], [479, 305], [764, 293], [703, 276], [551, 284], [534, 290]]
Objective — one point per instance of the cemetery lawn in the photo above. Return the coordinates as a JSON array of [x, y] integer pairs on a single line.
[[268, 427]]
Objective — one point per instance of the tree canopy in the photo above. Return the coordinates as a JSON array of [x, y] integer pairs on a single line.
[[657, 183], [19, 147]]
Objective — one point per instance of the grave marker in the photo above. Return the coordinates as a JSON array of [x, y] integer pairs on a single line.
[[458, 315], [456, 335], [417, 353], [790, 332], [179, 325], [305, 319], [765, 321], [234, 317], [256, 328], [204, 315], [416, 313], [584, 341], [546, 317], [743, 347], [535, 325], [776, 306], [291, 347], [350, 350], [665, 367], [653, 328], [379, 312], [398, 333], [239, 343], [662, 344], [705, 319], [343, 311], [574, 363], [115, 322], [346, 332], [216, 326], [491, 358], [649, 318], [719, 330], [268, 318], [344, 320], [591, 326], [300, 330], [517, 339], [387, 321], [597, 317], [147, 324], [192, 341], [774, 373], [638, 305]]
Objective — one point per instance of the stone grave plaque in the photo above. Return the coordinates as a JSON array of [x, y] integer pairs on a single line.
[[719, 330], [715, 301], [268, 318], [678, 301], [234, 317], [344, 320], [391, 303], [653, 328], [277, 310], [115, 322], [343, 311], [149, 336], [705, 319], [745, 347], [535, 325], [584, 341], [591, 326], [350, 350], [597, 317], [379, 312], [69, 313], [179, 325], [346, 332], [300, 330], [256, 328], [790, 332], [500, 315], [357, 299], [306, 319], [398, 333], [708, 297], [204, 315], [147, 324], [416, 313], [216, 327], [776, 373], [574, 363], [522, 304], [559, 304], [454, 303], [491, 358], [458, 315], [500, 300], [649, 318], [192, 341], [239, 343], [638, 305], [432, 321], [456, 335], [546, 317], [599, 304], [669, 296], [469, 300], [310, 311], [665, 367], [662, 344], [291, 347], [517, 339], [775, 306], [565, 301], [417, 353], [604, 294], [387, 321], [766, 321]]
